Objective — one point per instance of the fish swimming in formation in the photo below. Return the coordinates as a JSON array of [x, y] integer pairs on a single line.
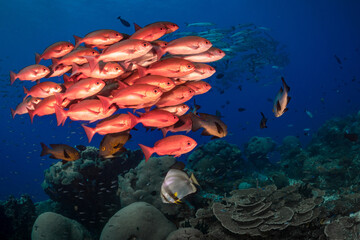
[[309, 113], [177, 185], [60, 151], [282, 99], [123, 21], [175, 145], [113, 144], [263, 121], [200, 24]]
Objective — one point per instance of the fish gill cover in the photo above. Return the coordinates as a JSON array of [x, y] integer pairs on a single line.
[[264, 76]]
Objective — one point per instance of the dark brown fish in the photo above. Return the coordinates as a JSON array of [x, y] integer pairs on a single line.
[[60, 151], [212, 125], [351, 136], [113, 144], [263, 121]]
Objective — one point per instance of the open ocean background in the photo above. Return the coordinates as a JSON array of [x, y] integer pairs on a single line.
[[313, 32]]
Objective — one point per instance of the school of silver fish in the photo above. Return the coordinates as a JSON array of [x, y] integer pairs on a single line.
[[115, 71]]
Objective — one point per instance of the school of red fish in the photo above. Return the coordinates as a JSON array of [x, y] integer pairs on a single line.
[[118, 71]]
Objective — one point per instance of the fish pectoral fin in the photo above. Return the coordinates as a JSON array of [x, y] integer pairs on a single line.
[[285, 110], [288, 99], [219, 128], [130, 51], [194, 47], [66, 155], [205, 133], [45, 90]]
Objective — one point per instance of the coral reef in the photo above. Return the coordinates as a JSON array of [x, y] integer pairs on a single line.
[[186, 234], [257, 150], [87, 188], [139, 220], [54, 226], [17, 217], [217, 163], [262, 212]]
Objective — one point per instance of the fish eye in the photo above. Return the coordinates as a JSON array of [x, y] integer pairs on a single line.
[[97, 83], [188, 143], [212, 69], [68, 46], [161, 29], [220, 51], [116, 68], [117, 34], [174, 117], [93, 52], [155, 91], [44, 69], [103, 148], [145, 44], [190, 91], [189, 66], [168, 83], [207, 42]]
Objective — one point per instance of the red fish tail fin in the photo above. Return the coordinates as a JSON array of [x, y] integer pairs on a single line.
[[93, 61], [61, 115], [26, 92], [164, 131], [55, 62], [31, 114], [148, 151], [13, 113], [134, 119], [105, 101], [90, 132], [160, 51], [37, 58], [75, 69], [59, 98], [137, 27], [44, 149], [141, 70], [12, 77], [77, 41]]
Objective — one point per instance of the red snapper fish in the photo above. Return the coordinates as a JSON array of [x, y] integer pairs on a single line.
[[164, 83], [113, 124], [158, 118], [178, 95], [183, 125], [175, 145], [186, 45], [135, 95], [23, 107], [199, 87], [56, 50], [45, 107], [99, 38], [82, 89], [150, 32], [169, 67], [121, 51], [202, 71], [170, 27], [211, 55], [87, 110], [76, 56], [30, 73], [178, 110], [107, 70], [43, 90]]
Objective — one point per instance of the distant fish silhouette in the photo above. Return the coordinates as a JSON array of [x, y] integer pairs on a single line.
[[263, 121], [241, 109], [124, 22], [220, 75], [351, 136], [338, 59]]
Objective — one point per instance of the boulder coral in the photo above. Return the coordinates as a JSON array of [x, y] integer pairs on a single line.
[[139, 220], [257, 150], [54, 226]]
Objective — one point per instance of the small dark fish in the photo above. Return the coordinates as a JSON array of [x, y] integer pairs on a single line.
[[351, 136], [263, 121], [81, 147], [241, 109], [60, 151], [220, 75], [213, 126], [113, 144], [338, 59], [240, 87], [227, 102], [124, 22]]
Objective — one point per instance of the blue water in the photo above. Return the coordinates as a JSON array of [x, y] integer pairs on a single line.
[[313, 32]]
